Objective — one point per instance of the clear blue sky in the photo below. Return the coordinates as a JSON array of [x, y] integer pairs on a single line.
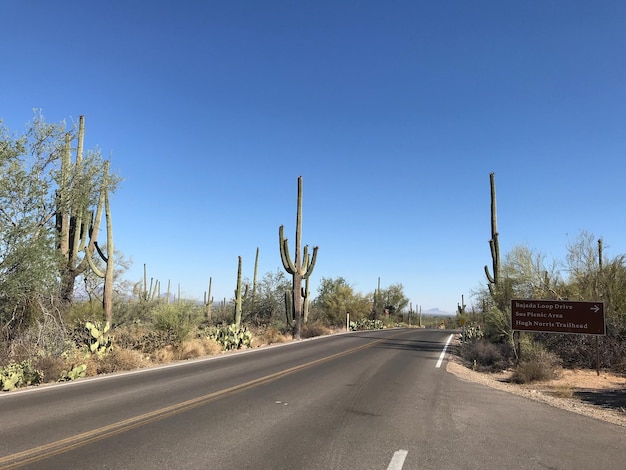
[[394, 113]]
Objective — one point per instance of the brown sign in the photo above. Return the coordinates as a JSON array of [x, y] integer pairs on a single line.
[[558, 316]]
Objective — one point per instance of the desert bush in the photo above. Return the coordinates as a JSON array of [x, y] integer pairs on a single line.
[[536, 364], [579, 351], [143, 338], [211, 347], [117, 360], [271, 334], [178, 319], [498, 326], [52, 367], [310, 331], [166, 354], [190, 349], [81, 312], [487, 356]]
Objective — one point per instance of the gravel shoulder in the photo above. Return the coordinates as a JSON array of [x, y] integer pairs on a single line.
[[579, 391]]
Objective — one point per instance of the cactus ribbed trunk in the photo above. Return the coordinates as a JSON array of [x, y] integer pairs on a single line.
[[107, 275], [208, 300], [77, 227], [494, 245], [301, 269], [254, 279], [238, 296]]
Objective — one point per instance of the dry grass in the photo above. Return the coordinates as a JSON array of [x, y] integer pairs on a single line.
[[211, 347], [269, 335], [541, 365], [190, 349], [117, 360], [563, 391], [166, 354], [311, 331], [51, 366]]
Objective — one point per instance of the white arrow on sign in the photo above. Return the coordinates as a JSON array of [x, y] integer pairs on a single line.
[[595, 309]]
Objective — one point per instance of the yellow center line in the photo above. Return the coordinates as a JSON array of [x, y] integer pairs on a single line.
[[64, 445]]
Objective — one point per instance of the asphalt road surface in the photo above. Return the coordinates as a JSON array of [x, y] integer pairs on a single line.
[[364, 400]]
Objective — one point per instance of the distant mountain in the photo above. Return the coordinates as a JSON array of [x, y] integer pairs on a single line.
[[436, 311]]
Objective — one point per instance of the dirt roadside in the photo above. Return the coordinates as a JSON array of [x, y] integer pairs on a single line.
[[580, 391]]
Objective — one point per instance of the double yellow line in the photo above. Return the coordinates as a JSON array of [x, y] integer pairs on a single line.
[[65, 445]]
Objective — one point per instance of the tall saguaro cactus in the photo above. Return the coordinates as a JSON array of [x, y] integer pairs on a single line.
[[238, 296], [208, 300], [77, 226], [300, 269], [494, 245], [107, 275]]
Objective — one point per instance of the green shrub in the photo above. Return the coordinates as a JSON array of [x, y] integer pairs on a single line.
[[178, 319], [143, 338], [498, 326]]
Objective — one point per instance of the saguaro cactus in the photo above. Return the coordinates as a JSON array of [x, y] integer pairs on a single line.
[[238, 296], [300, 269], [77, 226], [254, 279], [208, 300], [494, 245], [107, 275]]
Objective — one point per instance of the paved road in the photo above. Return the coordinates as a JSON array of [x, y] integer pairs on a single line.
[[370, 400]]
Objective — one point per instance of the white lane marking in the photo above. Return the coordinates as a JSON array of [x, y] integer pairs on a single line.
[[397, 461], [443, 353]]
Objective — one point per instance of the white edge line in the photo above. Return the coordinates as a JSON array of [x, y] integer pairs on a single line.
[[397, 461], [443, 353]]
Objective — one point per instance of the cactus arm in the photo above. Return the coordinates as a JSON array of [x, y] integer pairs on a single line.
[[311, 265], [284, 252], [489, 276], [92, 265]]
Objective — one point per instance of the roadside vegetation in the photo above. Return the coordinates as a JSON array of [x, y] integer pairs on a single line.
[[67, 311], [586, 274]]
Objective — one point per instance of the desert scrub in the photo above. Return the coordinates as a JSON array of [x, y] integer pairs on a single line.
[[310, 331], [536, 364], [486, 356], [178, 319]]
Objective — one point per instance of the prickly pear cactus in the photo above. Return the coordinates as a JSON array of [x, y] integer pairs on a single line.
[[231, 336], [101, 341], [17, 375], [76, 373]]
